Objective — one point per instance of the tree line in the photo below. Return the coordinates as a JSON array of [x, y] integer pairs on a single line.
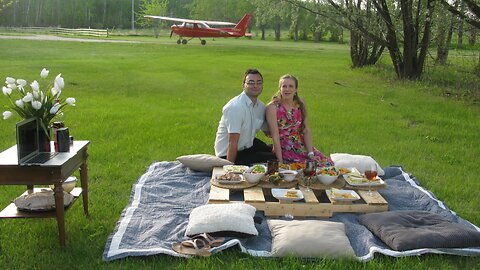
[[406, 29]]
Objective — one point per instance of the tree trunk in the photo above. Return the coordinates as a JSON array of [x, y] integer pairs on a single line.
[[104, 17], [27, 14], [460, 35], [363, 52], [263, 32], [295, 32], [318, 36], [14, 13], [156, 28], [444, 38], [277, 31], [472, 39]]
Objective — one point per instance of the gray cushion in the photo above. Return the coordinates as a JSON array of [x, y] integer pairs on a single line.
[[309, 239], [407, 230]]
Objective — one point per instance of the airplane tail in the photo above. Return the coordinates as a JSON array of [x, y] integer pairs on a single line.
[[241, 26]]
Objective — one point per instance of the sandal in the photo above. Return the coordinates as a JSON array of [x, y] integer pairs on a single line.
[[210, 240], [195, 247]]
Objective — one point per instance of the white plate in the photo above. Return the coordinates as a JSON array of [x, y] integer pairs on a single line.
[[229, 182], [364, 182], [337, 195], [235, 168], [279, 193]]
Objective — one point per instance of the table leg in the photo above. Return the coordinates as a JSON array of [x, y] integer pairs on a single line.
[[59, 206], [84, 183]]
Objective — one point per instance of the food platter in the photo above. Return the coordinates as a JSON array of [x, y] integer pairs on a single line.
[[362, 182], [235, 168], [233, 185], [280, 194], [229, 182], [342, 195]]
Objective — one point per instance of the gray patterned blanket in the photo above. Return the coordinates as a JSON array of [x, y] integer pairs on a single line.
[[162, 198]]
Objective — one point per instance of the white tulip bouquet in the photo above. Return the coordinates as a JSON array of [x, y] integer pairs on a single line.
[[45, 105]]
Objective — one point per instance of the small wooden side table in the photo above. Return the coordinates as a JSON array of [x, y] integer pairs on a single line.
[[53, 172]]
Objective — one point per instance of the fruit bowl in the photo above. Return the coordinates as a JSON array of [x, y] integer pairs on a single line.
[[255, 173], [327, 175]]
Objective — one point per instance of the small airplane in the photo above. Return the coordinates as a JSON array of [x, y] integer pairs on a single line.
[[201, 29]]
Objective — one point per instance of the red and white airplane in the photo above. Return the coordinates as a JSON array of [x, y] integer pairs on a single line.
[[201, 29]]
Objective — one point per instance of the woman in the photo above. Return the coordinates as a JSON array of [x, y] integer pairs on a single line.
[[288, 123]]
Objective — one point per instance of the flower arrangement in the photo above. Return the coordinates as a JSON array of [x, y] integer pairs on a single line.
[[36, 103]]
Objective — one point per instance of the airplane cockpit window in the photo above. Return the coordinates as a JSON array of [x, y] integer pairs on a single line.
[[188, 25]]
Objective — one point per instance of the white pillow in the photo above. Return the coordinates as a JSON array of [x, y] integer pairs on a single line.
[[357, 161], [41, 201], [235, 219], [203, 162], [309, 239]]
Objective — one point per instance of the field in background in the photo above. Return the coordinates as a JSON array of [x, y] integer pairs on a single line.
[[153, 101]]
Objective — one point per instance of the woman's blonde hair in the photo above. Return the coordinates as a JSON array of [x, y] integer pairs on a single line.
[[278, 97]]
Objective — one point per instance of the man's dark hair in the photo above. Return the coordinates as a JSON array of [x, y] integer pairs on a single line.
[[251, 71]]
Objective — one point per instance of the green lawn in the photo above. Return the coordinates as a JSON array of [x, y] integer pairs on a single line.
[[153, 101]]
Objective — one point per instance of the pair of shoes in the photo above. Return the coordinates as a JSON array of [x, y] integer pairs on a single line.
[[210, 240], [195, 247]]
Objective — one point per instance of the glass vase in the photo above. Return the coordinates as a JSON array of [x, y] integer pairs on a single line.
[[44, 140]]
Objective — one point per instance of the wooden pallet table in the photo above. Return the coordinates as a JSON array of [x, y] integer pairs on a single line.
[[316, 203]]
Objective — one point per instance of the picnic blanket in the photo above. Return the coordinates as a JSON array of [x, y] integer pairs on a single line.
[[162, 198]]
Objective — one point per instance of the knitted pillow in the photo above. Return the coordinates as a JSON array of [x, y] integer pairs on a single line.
[[234, 219]]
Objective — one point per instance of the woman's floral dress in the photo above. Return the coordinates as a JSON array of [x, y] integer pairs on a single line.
[[291, 138]]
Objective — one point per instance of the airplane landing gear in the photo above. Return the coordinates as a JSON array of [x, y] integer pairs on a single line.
[[179, 41], [203, 42], [184, 41]]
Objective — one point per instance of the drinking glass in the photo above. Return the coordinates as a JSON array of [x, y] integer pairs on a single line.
[[371, 175], [308, 173]]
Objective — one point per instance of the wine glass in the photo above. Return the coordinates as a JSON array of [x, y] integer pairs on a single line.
[[308, 173], [371, 175]]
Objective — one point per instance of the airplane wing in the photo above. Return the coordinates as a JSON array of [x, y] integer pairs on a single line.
[[188, 20]]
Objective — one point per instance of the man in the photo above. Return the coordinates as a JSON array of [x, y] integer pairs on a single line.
[[243, 116]]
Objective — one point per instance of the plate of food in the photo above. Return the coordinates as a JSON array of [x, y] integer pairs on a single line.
[[284, 194], [342, 195], [359, 181], [229, 178], [235, 168]]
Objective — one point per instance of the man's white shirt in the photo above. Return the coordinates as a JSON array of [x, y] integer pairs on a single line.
[[241, 116]]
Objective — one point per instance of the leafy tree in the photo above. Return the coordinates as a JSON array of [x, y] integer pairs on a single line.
[[353, 15], [471, 14], [5, 3], [151, 7], [401, 26]]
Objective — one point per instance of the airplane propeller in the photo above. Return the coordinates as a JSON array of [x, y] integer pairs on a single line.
[[171, 33]]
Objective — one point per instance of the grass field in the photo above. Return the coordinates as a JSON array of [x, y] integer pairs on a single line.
[[153, 101]]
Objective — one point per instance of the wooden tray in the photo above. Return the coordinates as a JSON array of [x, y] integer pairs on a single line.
[[316, 185], [242, 185]]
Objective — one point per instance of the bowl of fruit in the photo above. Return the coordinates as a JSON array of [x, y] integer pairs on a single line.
[[327, 175], [255, 173]]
